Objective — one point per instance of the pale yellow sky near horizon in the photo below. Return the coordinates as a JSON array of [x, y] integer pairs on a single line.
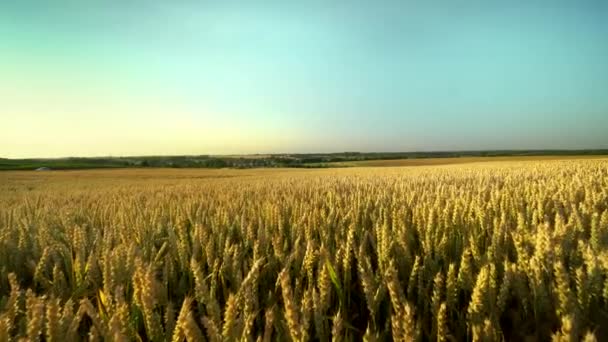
[[100, 135], [50, 116]]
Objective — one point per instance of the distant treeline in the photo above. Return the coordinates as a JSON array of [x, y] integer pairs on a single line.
[[315, 160]]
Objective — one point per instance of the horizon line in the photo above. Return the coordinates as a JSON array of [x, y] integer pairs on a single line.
[[604, 150]]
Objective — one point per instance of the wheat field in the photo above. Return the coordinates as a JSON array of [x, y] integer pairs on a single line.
[[485, 252]]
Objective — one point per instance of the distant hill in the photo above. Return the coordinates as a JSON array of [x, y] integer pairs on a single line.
[[310, 160]]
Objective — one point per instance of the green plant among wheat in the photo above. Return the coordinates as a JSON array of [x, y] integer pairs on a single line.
[[507, 251]]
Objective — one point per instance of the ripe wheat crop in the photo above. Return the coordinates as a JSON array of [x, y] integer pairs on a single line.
[[482, 252]]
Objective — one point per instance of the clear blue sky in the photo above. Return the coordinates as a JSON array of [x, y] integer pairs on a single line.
[[133, 77]]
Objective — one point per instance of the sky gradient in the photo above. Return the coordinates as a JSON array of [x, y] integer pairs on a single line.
[[115, 77]]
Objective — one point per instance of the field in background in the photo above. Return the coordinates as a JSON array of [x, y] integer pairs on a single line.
[[293, 160], [458, 160], [509, 250]]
